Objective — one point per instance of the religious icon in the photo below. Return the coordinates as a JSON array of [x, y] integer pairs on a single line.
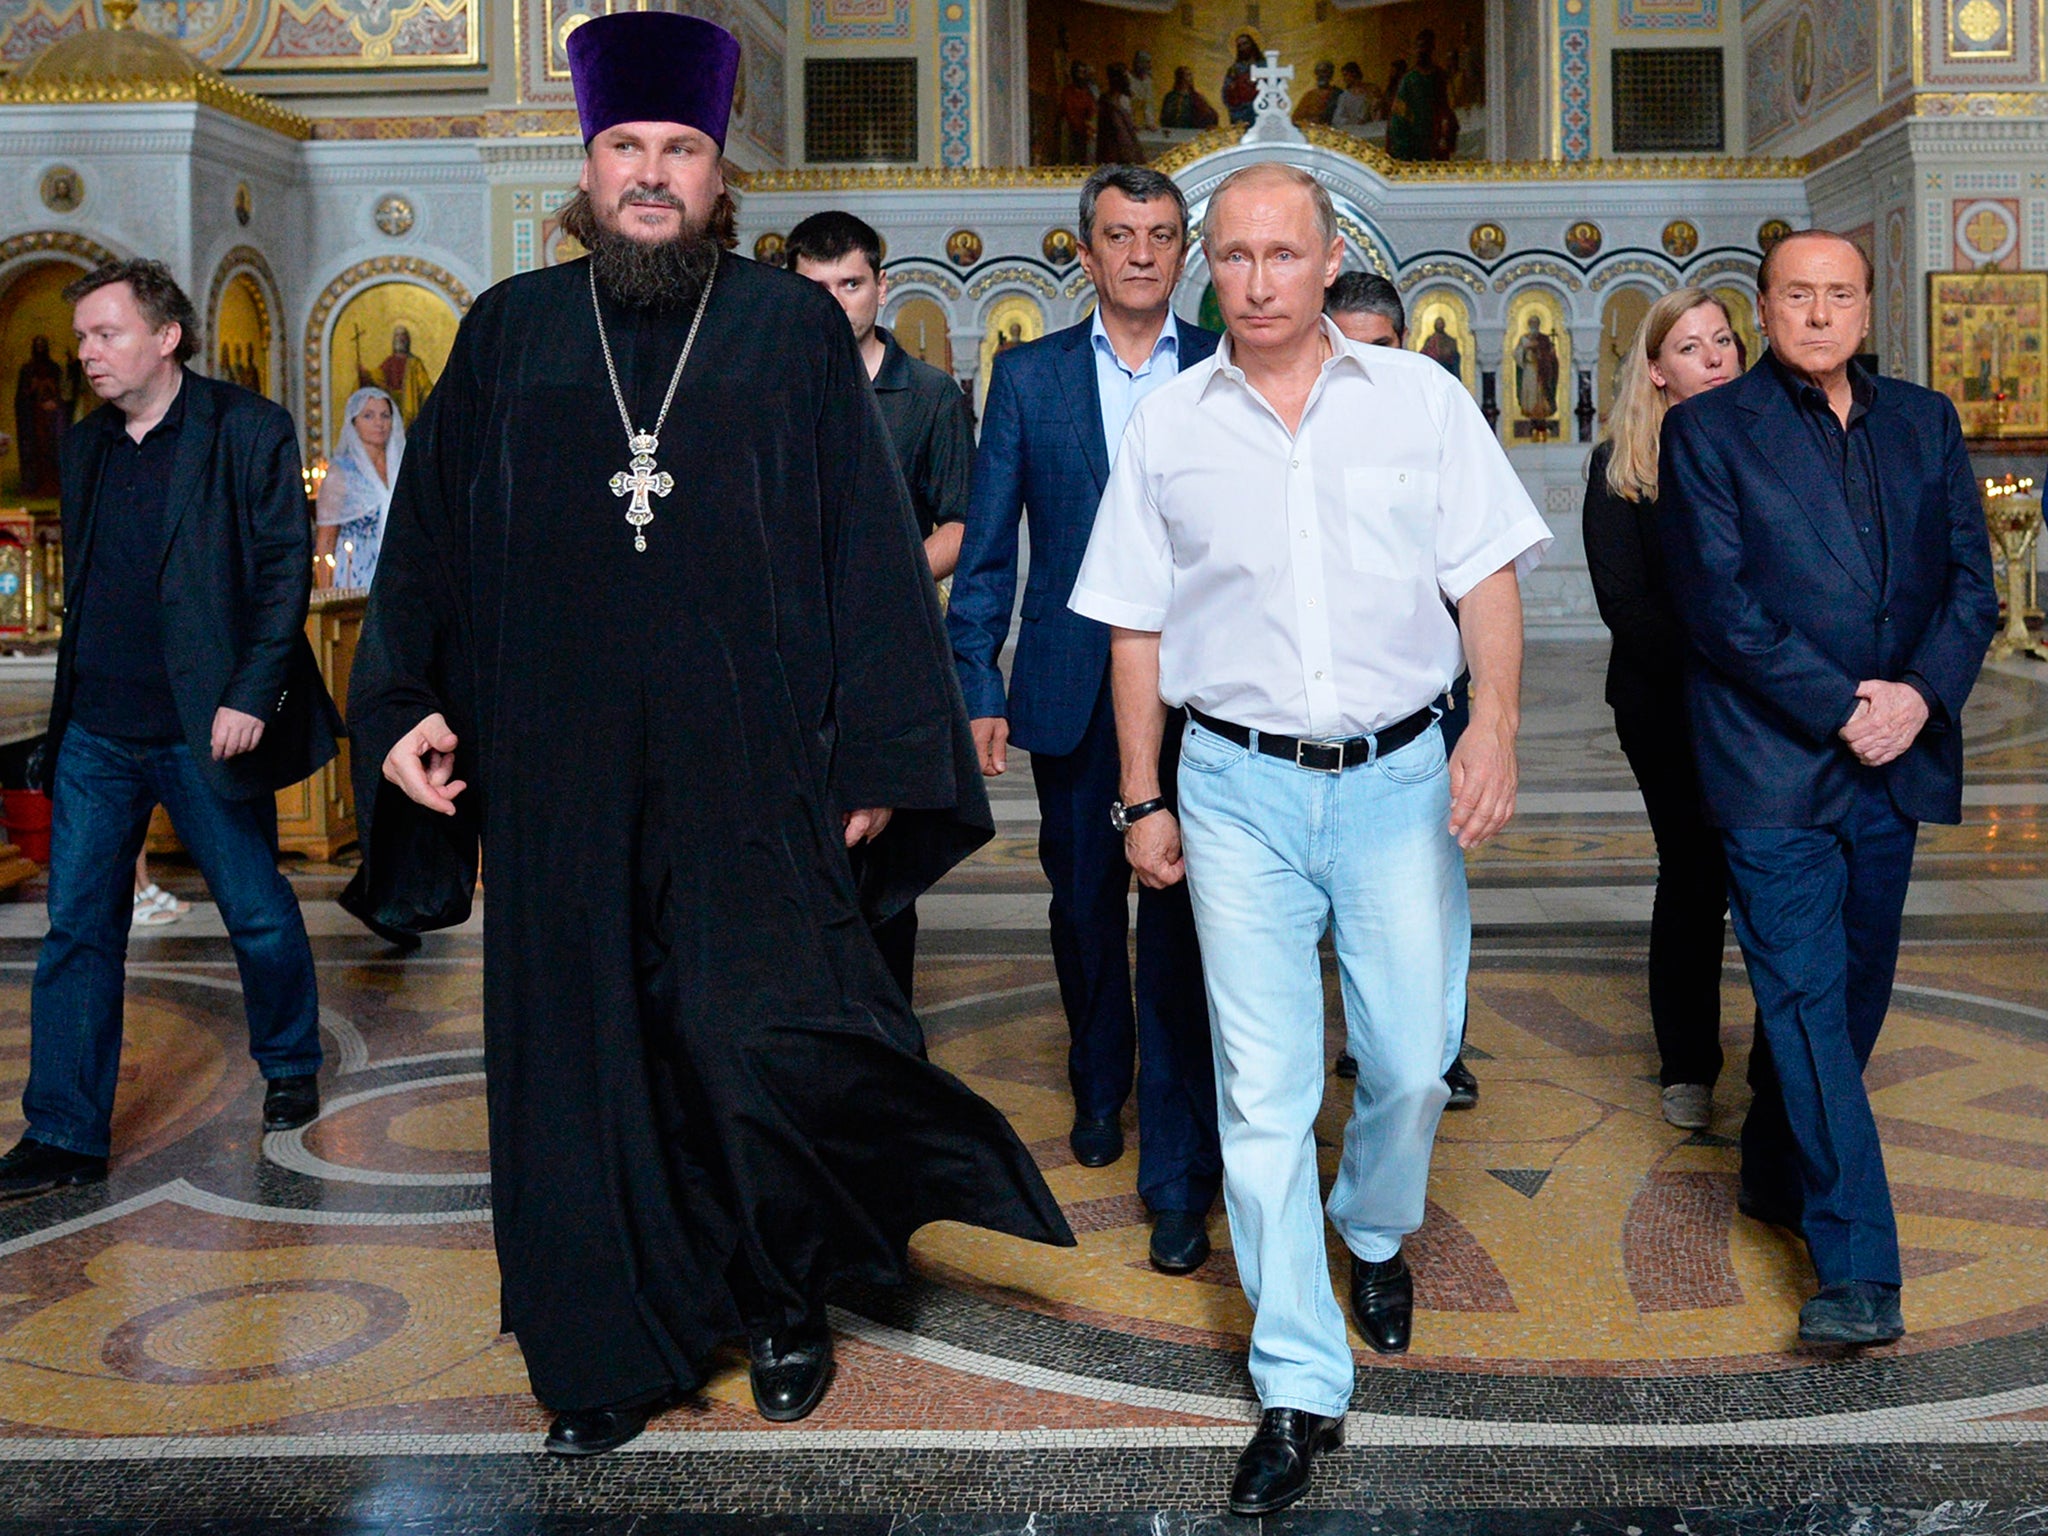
[[1584, 239], [1984, 345], [1010, 321], [1059, 247], [41, 413], [1488, 241], [963, 247], [768, 249], [1538, 367], [1802, 62], [1681, 239], [62, 189], [1240, 91], [1440, 346], [393, 335], [1770, 232]]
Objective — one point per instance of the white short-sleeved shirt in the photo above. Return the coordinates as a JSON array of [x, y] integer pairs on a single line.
[[1297, 583]]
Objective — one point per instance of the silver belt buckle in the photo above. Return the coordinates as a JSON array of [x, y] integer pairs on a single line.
[[1327, 746]]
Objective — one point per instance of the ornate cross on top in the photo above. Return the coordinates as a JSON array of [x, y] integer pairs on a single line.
[[1274, 123], [644, 481], [1271, 78]]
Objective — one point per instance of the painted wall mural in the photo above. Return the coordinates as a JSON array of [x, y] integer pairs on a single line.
[[1804, 62], [48, 388], [1440, 328], [1669, 15], [1537, 369], [240, 344], [395, 336], [1409, 76], [272, 35]]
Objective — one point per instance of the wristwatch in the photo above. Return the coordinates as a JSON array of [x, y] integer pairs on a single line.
[[1121, 816]]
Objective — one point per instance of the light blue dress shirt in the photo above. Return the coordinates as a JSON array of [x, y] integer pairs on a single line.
[[1120, 388]]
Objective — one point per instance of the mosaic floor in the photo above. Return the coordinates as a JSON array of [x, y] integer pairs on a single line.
[[244, 1334]]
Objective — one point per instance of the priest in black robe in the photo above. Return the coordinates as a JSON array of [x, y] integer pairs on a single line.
[[667, 659]]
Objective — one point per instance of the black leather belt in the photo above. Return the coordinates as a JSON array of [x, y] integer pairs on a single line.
[[1324, 756]]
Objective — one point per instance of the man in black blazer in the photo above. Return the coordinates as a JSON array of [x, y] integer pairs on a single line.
[[1826, 551], [1055, 414], [184, 678]]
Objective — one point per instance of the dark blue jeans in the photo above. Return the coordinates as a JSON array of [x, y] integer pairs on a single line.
[[1818, 910], [103, 794], [1165, 1044]]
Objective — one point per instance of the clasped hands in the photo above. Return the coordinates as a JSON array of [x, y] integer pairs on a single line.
[[422, 764], [1888, 717]]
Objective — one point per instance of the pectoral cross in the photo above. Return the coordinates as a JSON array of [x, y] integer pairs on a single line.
[[645, 480]]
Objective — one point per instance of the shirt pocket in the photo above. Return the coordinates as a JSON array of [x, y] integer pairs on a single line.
[[1390, 522]]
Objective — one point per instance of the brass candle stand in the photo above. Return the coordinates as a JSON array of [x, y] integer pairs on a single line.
[[2012, 511]]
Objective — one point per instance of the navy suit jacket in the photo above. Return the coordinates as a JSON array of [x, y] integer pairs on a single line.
[[1042, 452], [1785, 616]]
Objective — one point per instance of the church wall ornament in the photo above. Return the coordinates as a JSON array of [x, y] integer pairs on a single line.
[[1017, 276], [1658, 274], [1680, 238], [1537, 268], [1416, 276], [1583, 239], [1060, 247], [963, 247], [62, 189], [915, 273], [393, 216], [1488, 241]]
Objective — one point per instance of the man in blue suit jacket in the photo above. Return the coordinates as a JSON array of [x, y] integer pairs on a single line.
[[1826, 551], [1056, 410]]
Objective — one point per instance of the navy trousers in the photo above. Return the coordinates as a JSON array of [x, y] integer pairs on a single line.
[[1164, 1043], [1818, 911], [102, 798]]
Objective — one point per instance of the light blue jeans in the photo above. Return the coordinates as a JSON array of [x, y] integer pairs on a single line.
[[1275, 854]]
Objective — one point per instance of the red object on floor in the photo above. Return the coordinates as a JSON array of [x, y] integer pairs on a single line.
[[26, 813]]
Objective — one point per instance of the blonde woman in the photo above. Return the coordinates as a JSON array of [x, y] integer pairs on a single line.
[[1684, 347]]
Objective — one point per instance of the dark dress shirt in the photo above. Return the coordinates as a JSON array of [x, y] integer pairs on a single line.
[[124, 686], [931, 431], [1847, 451], [1646, 667]]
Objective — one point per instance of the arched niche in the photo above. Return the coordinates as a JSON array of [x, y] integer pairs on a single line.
[[39, 370], [1440, 327], [352, 333], [1008, 320], [1536, 367], [923, 330], [244, 326], [1621, 315]]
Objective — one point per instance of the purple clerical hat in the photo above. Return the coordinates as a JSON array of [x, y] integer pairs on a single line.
[[653, 67]]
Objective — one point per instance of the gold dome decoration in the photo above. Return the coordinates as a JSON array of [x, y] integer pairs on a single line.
[[119, 64]]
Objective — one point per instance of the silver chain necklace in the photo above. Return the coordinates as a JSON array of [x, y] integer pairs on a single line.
[[644, 480]]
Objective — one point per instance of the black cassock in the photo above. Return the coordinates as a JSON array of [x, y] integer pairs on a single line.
[[708, 1102]]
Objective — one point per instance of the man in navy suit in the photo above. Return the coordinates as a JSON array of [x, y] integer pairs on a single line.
[[1056, 411], [1826, 551]]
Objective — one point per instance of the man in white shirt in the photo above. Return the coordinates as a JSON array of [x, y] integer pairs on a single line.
[[1273, 552]]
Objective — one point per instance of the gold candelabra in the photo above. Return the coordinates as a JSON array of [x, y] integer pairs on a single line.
[[2012, 511]]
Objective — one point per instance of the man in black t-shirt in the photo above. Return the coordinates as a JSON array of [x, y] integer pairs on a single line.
[[929, 427]]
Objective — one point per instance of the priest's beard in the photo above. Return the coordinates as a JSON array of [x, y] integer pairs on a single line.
[[646, 274]]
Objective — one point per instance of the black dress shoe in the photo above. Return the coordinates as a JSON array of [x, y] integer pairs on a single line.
[[1347, 1066], [1383, 1302], [1180, 1242], [1274, 1469], [789, 1376], [1854, 1312], [1096, 1143], [1765, 1208], [290, 1102], [1463, 1085], [593, 1431], [35, 1168]]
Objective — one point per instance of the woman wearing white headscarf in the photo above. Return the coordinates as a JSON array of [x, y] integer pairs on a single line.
[[356, 494]]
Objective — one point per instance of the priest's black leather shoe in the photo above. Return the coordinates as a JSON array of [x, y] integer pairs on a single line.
[[1383, 1301], [1274, 1470], [290, 1102], [789, 1376], [593, 1431], [1096, 1143], [1180, 1242], [1854, 1312], [1463, 1085], [35, 1168]]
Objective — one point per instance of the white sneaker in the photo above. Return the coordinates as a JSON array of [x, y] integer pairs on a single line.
[[1689, 1106]]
